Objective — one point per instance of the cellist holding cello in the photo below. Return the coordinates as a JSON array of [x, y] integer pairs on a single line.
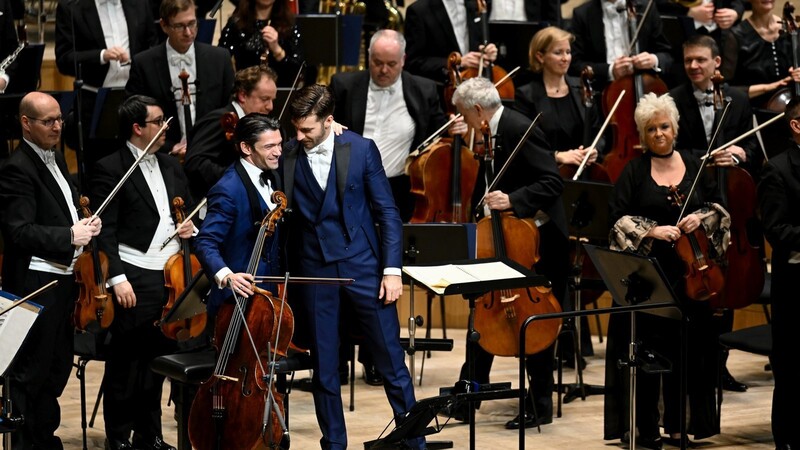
[[530, 189], [137, 221]]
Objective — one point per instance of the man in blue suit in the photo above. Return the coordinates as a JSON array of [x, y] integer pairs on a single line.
[[338, 191]]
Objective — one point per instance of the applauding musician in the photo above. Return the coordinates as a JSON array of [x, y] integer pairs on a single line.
[[138, 220]]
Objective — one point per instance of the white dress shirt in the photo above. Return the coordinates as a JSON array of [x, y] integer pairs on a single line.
[[508, 10], [176, 62], [615, 31], [115, 32], [457, 12], [388, 123], [705, 103], [319, 158]]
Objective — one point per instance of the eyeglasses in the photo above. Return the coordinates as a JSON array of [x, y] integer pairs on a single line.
[[158, 121], [48, 122], [183, 26]]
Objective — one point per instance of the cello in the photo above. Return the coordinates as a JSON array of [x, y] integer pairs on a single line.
[[500, 314], [94, 305], [239, 407], [439, 198], [626, 144], [745, 270], [178, 272], [495, 72]]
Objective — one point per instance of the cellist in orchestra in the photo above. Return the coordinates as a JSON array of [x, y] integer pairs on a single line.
[[778, 196], [602, 40], [138, 220], [531, 188], [644, 212], [338, 191], [210, 151], [698, 123], [43, 237]]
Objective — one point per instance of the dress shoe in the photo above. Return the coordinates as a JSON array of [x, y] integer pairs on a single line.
[[456, 412], [114, 444], [306, 385], [730, 384], [156, 443], [676, 441], [654, 443], [372, 377], [530, 422]]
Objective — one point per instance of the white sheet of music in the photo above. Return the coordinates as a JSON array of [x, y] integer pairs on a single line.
[[438, 278], [14, 326]]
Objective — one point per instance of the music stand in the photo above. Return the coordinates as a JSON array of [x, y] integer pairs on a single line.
[[191, 302], [586, 206], [27, 70], [330, 39], [105, 119], [415, 424], [512, 39], [282, 96]]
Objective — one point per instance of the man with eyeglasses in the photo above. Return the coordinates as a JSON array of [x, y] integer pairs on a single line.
[[43, 237], [156, 72], [138, 220]]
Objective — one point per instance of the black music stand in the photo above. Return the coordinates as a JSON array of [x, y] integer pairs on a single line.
[[27, 70], [283, 96], [586, 206], [428, 244], [512, 39], [472, 291], [330, 39], [415, 424], [191, 302], [105, 118]]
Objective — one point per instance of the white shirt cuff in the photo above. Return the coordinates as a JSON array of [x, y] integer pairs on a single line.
[[392, 271], [219, 276], [116, 280]]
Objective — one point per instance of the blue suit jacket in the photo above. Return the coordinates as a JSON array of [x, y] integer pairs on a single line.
[[362, 186], [227, 235]]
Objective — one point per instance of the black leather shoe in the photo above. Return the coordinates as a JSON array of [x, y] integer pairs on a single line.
[[651, 443], [459, 413], [676, 442], [530, 422], [156, 444], [114, 444], [372, 377], [730, 384], [306, 385]]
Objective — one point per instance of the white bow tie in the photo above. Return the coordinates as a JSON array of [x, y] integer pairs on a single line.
[[319, 150], [113, 2], [617, 6], [704, 98], [389, 89], [149, 160], [49, 157], [181, 60]]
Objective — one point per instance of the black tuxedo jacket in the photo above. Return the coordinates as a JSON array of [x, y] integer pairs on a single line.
[[132, 216], [34, 217], [692, 134], [589, 48], [532, 180], [214, 84], [209, 153], [350, 90], [79, 18]]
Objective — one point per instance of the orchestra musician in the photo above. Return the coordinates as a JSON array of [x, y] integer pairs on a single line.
[[757, 56], [155, 72], [709, 17], [531, 188], [602, 39], [699, 119], [210, 152], [137, 221], [43, 237], [644, 212], [525, 10], [778, 194], [259, 28], [338, 190]]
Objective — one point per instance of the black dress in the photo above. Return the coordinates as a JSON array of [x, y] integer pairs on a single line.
[[247, 48], [637, 194]]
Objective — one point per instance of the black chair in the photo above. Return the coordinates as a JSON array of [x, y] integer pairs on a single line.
[[89, 346], [756, 340]]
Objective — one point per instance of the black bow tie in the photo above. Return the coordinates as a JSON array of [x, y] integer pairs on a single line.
[[267, 178]]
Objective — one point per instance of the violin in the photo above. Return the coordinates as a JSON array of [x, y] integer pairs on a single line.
[[745, 270], [239, 406], [178, 272], [778, 101], [495, 72], [500, 314], [94, 307], [703, 277], [439, 198], [186, 101], [626, 145]]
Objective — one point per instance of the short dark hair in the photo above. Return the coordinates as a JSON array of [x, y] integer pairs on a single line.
[[133, 110], [792, 110], [170, 8], [315, 99], [250, 127], [247, 79], [702, 40]]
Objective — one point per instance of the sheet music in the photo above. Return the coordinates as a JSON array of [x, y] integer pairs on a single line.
[[14, 326], [438, 278]]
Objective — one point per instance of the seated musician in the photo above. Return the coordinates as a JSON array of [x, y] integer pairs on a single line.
[[210, 150], [138, 220], [645, 212], [602, 41], [709, 17], [531, 188]]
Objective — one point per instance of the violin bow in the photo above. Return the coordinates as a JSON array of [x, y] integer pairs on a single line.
[[127, 175], [29, 296], [597, 138], [189, 217], [744, 135], [294, 86], [639, 27], [303, 280], [510, 158]]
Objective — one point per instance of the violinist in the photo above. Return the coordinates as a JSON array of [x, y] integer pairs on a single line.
[[602, 40], [338, 190], [757, 56], [531, 188], [645, 214], [778, 195], [138, 220], [210, 151], [43, 237], [698, 121]]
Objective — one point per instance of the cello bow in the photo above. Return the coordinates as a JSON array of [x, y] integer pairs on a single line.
[[598, 136]]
